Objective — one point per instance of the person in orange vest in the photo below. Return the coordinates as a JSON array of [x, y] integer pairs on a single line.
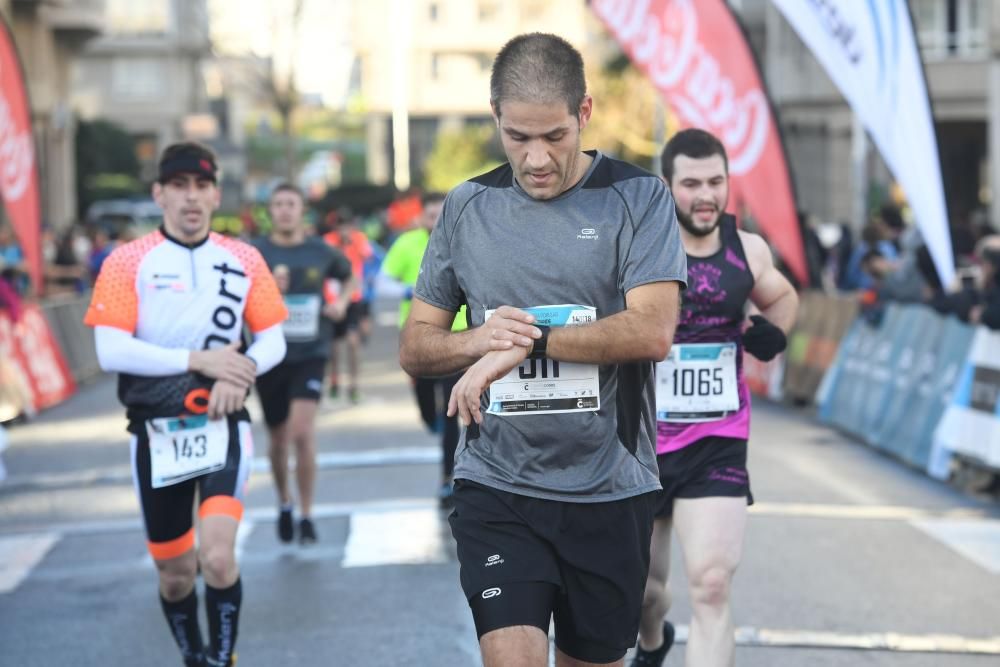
[[354, 244]]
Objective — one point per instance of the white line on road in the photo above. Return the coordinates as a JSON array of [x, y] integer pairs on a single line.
[[979, 541], [19, 555], [410, 536], [392, 456]]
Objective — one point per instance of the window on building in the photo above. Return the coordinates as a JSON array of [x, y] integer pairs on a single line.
[[128, 17], [951, 28], [137, 79], [432, 11], [435, 66], [489, 10]]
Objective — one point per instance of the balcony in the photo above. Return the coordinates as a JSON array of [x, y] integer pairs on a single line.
[[74, 20]]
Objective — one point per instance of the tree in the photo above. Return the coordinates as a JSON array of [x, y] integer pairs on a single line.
[[459, 155], [625, 112], [106, 163]]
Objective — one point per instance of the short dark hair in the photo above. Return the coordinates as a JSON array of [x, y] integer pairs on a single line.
[[200, 155], [693, 143], [431, 198], [538, 67], [285, 186]]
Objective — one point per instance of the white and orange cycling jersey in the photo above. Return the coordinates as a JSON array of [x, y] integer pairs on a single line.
[[183, 297]]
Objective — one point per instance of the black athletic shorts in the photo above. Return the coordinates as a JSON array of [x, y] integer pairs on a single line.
[[708, 468], [287, 381], [167, 511], [524, 560], [351, 321]]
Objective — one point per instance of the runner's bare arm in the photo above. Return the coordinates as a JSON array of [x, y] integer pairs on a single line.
[[772, 294], [641, 332], [428, 347]]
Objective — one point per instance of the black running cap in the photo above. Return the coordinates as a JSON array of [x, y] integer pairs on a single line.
[[187, 164]]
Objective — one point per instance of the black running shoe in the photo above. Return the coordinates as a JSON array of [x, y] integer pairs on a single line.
[[286, 526], [307, 532], [655, 658]]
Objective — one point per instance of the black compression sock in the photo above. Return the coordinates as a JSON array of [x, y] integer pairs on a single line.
[[223, 607], [182, 617]]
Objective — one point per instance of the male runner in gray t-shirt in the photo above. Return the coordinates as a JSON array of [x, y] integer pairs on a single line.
[[570, 263]]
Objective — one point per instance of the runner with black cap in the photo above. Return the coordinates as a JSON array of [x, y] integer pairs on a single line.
[[168, 312]]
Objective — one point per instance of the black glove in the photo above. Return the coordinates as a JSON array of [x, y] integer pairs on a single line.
[[763, 340]]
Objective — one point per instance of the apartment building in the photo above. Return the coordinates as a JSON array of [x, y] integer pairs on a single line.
[[434, 58]]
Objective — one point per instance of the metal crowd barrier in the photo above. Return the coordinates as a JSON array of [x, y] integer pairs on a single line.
[[76, 340]]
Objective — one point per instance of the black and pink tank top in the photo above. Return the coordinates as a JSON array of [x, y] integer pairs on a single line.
[[712, 311]]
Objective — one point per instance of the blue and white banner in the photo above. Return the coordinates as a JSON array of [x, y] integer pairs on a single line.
[[971, 424], [869, 50]]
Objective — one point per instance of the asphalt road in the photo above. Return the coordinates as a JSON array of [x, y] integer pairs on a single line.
[[850, 559]]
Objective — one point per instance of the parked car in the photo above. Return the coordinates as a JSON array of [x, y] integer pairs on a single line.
[[142, 215]]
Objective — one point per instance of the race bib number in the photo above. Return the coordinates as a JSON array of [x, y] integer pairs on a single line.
[[185, 447], [303, 316], [697, 383], [547, 386]]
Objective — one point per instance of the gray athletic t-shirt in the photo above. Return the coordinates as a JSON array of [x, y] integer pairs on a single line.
[[495, 245]]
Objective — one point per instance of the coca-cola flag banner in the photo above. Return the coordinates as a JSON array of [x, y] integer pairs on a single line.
[[696, 55], [869, 51], [18, 175]]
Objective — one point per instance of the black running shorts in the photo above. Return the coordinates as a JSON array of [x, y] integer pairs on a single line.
[[167, 511], [286, 382], [524, 560], [351, 321], [709, 468]]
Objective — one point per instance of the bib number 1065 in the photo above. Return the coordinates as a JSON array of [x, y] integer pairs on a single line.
[[697, 381]]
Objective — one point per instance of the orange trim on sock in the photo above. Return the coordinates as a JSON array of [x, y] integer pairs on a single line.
[[225, 505], [172, 548]]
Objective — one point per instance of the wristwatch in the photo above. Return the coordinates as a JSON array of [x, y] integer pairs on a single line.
[[539, 346]]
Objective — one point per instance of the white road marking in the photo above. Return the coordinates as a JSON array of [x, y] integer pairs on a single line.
[[862, 512], [19, 555], [393, 456], [979, 541], [412, 536]]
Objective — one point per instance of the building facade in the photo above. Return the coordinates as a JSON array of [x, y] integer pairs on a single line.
[[146, 73], [436, 63], [960, 46]]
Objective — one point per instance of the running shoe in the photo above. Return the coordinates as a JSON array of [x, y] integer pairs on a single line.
[[286, 525], [334, 391], [655, 658], [354, 395], [307, 532]]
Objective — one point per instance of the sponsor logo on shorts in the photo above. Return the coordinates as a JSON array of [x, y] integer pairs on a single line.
[[495, 559], [588, 233], [314, 385], [491, 593]]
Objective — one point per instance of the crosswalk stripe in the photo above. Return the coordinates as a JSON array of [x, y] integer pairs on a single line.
[[410, 536], [19, 555]]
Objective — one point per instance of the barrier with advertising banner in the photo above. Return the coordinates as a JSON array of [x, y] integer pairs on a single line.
[[822, 321], [890, 384], [33, 364], [970, 426]]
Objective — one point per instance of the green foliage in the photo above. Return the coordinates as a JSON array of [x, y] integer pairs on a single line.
[[458, 156], [106, 163]]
